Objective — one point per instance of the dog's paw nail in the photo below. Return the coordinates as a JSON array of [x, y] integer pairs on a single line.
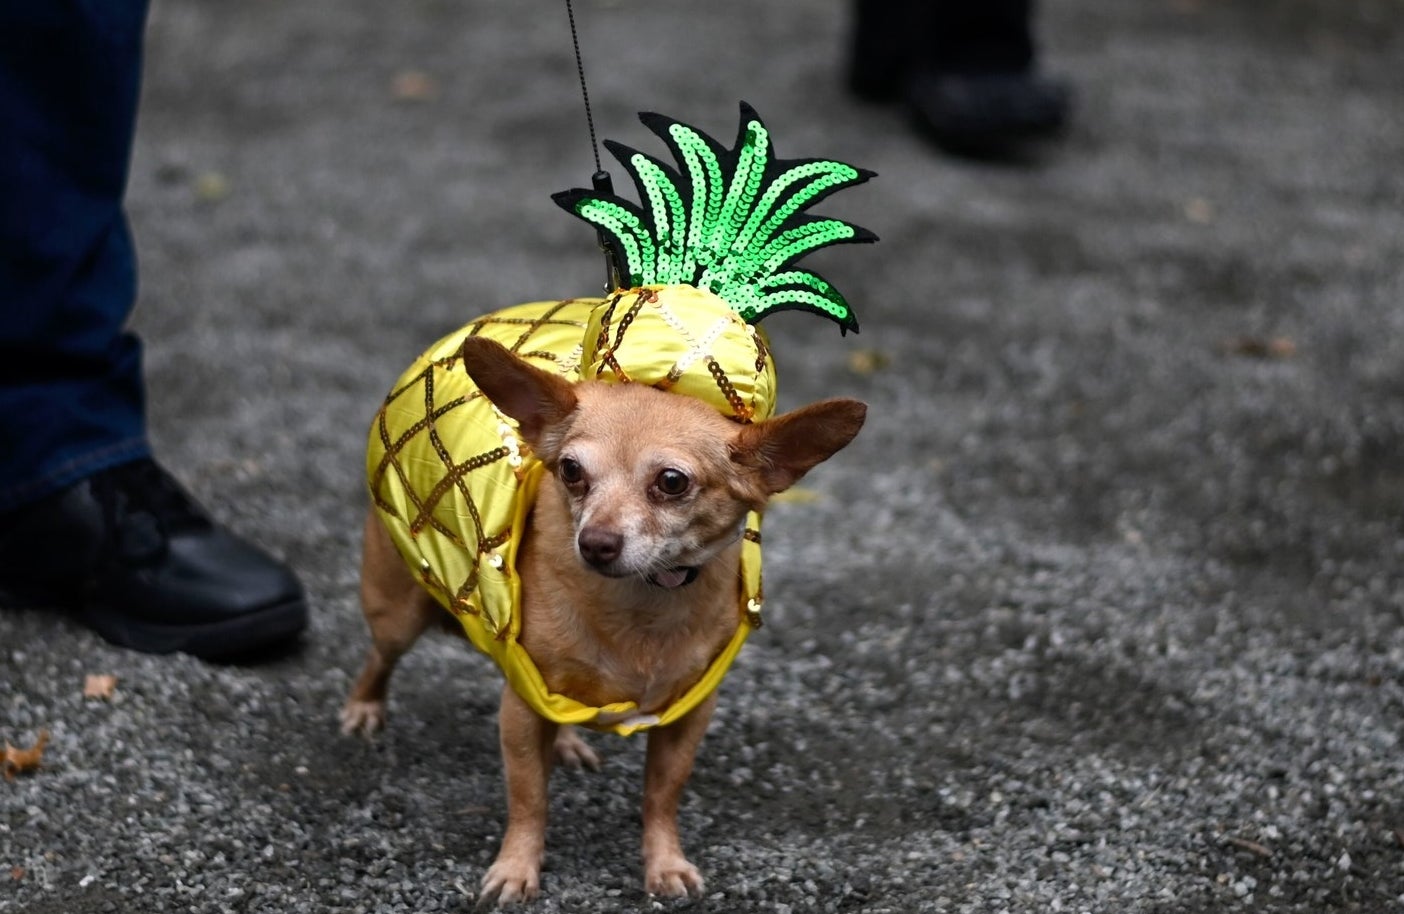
[[678, 879], [577, 760], [507, 883], [574, 752], [363, 717]]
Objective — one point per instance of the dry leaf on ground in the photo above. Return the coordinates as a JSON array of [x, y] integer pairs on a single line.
[[1199, 211], [414, 86], [1277, 347], [18, 761], [211, 187], [867, 361], [99, 685]]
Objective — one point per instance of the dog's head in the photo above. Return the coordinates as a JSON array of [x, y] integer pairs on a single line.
[[657, 484]]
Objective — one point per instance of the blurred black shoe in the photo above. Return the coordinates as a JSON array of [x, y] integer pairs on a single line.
[[967, 72], [987, 114], [132, 554]]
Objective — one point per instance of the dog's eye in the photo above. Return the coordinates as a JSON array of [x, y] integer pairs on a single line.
[[672, 482], [571, 472]]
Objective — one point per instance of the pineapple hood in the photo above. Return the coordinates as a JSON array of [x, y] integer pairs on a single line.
[[684, 340]]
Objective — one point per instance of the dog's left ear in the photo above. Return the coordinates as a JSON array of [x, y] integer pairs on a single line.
[[537, 399], [783, 449]]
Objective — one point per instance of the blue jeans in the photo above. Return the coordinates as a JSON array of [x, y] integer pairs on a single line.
[[71, 395]]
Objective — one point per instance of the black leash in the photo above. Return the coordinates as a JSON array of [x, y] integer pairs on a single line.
[[600, 180]]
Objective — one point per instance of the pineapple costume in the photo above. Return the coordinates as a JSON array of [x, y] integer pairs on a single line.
[[712, 253]]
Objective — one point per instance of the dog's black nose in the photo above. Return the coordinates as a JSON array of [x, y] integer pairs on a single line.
[[600, 547]]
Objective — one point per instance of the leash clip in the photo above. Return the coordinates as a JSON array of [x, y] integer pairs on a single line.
[[614, 274]]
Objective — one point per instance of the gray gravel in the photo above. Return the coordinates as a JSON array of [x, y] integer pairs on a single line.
[[1101, 613]]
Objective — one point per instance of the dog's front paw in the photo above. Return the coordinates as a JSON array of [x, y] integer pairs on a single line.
[[510, 881], [672, 876], [363, 717]]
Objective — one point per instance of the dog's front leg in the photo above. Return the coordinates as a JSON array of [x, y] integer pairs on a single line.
[[527, 742], [671, 751]]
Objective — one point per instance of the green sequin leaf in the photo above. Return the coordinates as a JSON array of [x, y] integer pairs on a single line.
[[793, 243], [781, 292], [700, 156], [627, 227], [728, 220], [795, 190], [666, 210]]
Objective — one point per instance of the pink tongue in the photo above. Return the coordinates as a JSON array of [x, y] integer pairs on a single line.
[[670, 579]]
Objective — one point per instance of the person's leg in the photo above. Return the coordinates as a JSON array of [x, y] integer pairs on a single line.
[[994, 36], [967, 71], [882, 44], [87, 520], [70, 378]]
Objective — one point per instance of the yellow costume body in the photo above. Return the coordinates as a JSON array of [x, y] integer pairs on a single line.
[[454, 485]]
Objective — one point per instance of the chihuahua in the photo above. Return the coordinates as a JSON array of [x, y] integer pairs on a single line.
[[628, 567]]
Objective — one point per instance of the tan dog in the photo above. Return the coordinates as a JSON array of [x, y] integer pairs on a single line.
[[629, 579]]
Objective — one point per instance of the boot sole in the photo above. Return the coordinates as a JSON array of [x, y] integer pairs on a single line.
[[259, 630]]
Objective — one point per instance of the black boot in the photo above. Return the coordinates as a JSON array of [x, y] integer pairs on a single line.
[[966, 71], [132, 554], [987, 115]]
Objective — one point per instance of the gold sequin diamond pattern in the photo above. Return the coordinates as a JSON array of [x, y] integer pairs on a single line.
[[447, 466], [686, 340]]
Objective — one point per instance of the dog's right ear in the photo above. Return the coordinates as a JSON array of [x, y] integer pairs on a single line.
[[537, 399]]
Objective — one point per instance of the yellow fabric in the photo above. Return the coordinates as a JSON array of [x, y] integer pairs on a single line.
[[453, 484], [686, 340]]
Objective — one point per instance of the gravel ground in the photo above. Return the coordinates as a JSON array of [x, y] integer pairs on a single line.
[[1101, 613]]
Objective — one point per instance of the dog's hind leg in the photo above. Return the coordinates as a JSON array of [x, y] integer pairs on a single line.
[[573, 752], [398, 611]]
